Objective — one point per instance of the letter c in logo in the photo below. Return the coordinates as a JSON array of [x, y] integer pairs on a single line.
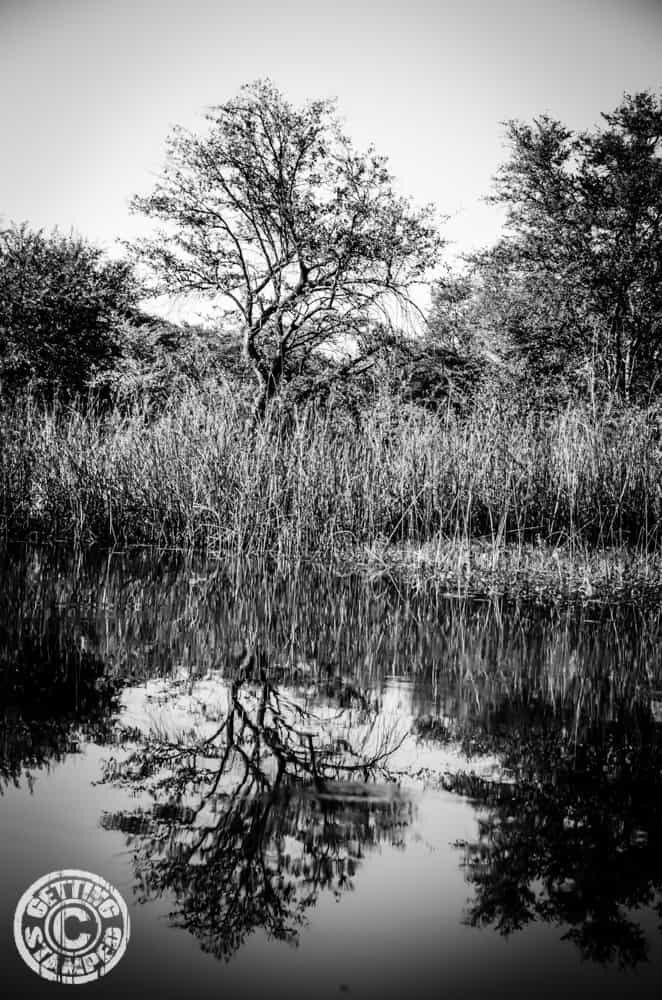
[[70, 928]]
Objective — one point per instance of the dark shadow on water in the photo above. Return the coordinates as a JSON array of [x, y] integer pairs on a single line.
[[569, 826], [55, 692]]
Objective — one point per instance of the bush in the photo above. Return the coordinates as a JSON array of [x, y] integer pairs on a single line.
[[64, 309]]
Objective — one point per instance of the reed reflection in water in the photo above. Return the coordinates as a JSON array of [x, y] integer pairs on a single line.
[[251, 714]]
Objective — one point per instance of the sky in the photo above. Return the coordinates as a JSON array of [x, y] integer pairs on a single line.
[[91, 88]]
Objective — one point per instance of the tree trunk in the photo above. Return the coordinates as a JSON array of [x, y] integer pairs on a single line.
[[270, 382], [268, 374]]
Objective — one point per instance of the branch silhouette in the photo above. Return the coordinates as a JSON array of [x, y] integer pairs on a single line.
[[246, 825]]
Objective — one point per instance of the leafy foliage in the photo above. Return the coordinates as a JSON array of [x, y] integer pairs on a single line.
[[161, 361], [63, 310], [577, 280]]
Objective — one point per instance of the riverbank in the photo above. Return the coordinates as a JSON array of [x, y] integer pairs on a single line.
[[538, 572], [493, 501]]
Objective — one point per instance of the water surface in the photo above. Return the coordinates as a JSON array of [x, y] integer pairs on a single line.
[[310, 786]]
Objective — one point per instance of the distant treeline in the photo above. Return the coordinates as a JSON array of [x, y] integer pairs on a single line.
[[314, 258]]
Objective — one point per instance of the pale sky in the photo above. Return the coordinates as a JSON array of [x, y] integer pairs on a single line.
[[90, 88]]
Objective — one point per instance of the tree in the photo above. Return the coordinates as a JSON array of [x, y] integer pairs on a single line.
[[160, 360], [273, 213], [465, 343], [577, 280], [62, 309]]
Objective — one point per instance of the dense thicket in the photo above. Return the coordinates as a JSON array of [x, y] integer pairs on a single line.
[[571, 296], [63, 310]]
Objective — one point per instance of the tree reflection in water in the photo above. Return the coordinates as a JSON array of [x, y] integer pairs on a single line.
[[56, 690], [569, 832], [247, 823], [281, 793]]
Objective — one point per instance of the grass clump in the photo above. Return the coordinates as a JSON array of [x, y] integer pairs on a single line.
[[490, 492]]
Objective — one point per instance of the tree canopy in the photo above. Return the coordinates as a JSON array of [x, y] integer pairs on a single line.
[[274, 214], [577, 279], [62, 306]]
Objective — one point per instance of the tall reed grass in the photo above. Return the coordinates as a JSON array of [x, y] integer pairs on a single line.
[[198, 475]]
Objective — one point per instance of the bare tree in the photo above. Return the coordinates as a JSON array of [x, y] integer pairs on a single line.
[[273, 214], [245, 827]]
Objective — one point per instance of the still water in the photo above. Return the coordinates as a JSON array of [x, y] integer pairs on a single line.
[[314, 786]]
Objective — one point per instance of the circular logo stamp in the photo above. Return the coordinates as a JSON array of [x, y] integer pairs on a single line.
[[71, 927]]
